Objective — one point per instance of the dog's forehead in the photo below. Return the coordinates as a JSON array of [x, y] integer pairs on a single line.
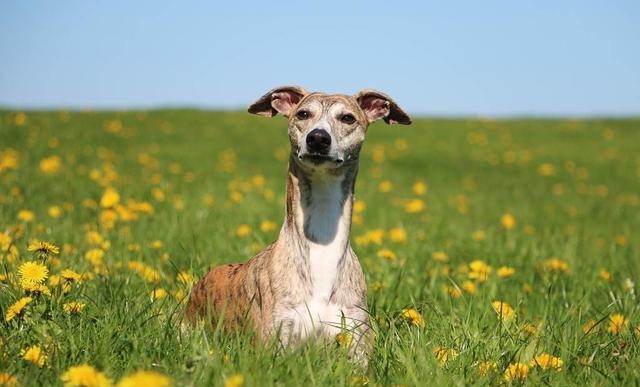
[[328, 100]]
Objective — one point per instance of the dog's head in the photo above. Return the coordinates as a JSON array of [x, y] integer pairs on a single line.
[[327, 131]]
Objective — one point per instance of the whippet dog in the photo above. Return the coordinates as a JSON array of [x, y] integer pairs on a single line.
[[308, 283]]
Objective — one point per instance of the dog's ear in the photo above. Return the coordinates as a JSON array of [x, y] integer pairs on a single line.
[[377, 105], [280, 100]]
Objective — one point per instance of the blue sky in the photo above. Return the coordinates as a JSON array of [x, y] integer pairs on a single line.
[[496, 58]]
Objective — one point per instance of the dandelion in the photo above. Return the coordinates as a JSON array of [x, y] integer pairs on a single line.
[[8, 380], [546, 169], [73, 307], [508, 221], [556, 265], [50, 165], [44, 248], [359, 206], [243, 230], [35, 288], [85, 376], [235, 380], [516, 372], [185, 278], [617, 322], [17, 308], [505, 272], [414, 317], [444, 355], [385, 186], [419, 188], [55, 212], [546, 361], [387, 254], [485, 367], [9, 159], [605, 275], [145, 379], [267, 226], [109, 198], [156, 244], [398, 235], [414, 206], [453, 291], [26, 216], [34, 354], [469, 287], [344, 339], [504, 311], [479, 270], [158, 294], [32, 272], [530, 329], [440, 256], [71, 276]]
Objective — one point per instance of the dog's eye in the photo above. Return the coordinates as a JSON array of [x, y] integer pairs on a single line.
[[303, 114], [347, 119]]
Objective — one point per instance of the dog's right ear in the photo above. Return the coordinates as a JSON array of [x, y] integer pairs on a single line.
[[280, 100]]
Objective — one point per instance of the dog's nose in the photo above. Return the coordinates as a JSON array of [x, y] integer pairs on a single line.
[[318, 140]]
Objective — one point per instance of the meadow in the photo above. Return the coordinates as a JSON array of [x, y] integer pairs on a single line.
[[496, 252]]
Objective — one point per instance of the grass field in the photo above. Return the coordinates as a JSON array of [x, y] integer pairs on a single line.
[[496, 252]]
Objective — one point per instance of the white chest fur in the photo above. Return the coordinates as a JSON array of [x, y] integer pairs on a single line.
[[326, 221]]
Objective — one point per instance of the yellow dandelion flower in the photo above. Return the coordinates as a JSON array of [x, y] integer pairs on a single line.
[[344, 339], [110, 198], [556, 265], [267, 226], [505, 272], [516, 372], [43, 248], [33, 272], [414, 317], [530, 329], [55, 212], [486, 367], [444, 354], [414, 206], [17, 308], [158, 294], [156, 244], [51, 165], [398, 235], [479, 270], [243, 230], [235, 380], [73, 307], [35, 288], [508, 221], [9, 159], [85, 376], [504, 311], [617, 322], [26, 216], [590, 326], [70, 276], [185, 278], [94, 256], [547, 361], [385, 186], [605, 275], [419, 188], [8, 380], [359, 206], [145, 379], [547, 169], [453, 291], [387, 254], [470, 287], [34, 354], [440, 256]]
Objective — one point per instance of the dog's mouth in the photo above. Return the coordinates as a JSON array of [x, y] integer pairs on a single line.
[[318, 158]]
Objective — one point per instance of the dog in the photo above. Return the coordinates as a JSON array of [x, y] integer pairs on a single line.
[[309, 282]]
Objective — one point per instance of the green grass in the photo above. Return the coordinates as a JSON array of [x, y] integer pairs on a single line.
[[572, 187]]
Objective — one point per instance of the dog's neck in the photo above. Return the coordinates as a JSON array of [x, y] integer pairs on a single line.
[[318, 221]]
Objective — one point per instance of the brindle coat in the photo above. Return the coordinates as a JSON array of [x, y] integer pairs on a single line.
[[309, 281]]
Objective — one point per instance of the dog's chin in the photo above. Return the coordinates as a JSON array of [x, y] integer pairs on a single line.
[[320, 160]]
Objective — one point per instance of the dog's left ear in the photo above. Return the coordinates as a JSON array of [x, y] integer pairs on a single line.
[[280, 100], [377, 105]]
